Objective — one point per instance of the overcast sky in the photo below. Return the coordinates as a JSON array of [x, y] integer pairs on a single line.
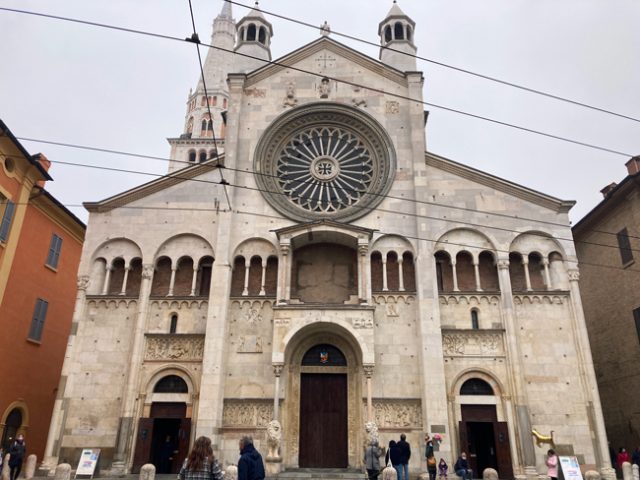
[[78, 84]]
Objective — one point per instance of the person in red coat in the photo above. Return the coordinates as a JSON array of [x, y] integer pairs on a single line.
[[623, 456]]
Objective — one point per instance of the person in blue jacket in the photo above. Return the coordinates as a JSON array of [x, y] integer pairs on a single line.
[[250, 466]]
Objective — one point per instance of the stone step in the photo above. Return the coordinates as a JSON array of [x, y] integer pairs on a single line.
[[321, 473]]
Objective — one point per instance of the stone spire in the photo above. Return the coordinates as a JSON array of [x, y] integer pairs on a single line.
[[396, 39], [254, 41], [196, 142]]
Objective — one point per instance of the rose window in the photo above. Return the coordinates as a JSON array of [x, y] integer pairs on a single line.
[[324, 160], [324, 169]]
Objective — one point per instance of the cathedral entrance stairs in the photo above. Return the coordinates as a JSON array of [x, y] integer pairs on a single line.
[[321, 473]]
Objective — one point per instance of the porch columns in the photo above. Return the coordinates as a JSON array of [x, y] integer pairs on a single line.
[[247, 266], [527, 277], [476, 272], [368, 371], [172, 281], [384, 274], [264, 276], [284, 272], [194, 278], [277, 371], [547, 277], [454, 272], [400, 274], [107, 279], [363, 270]]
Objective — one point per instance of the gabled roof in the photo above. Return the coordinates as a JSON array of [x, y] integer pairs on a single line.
[[154, 186], [32, 159], [497, 183], [326, 43]]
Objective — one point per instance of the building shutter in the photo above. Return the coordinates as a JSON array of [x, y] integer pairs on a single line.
[[54, 251], [37, 322], [6, 220], [625, 246]]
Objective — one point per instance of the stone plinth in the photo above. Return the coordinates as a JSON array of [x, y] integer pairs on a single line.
[[147, 472], [231, 473], [30, 467], [63, 472], [489, 474], [591, 475], [5, 468], [389, 473], [627, 473], [635, 470]]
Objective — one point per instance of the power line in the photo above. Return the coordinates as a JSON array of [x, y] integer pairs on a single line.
[[196, 40], [346, 82], [252, 172], [449, 66], [395, 212]]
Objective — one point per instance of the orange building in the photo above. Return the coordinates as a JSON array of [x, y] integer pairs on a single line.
[[40, 247]]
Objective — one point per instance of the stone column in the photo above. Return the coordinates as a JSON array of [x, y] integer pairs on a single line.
[[277, 371], [194, 280], [476, 271], [368, 372], [124, 443], [247, 267], [172, 281], [284, 272], [56, 428], [454, 274], [585, 363], [527, 277], [547, 277], [123, 290], [400, 274], [526, 452], [264, 276], [384, 274], [107, 279]]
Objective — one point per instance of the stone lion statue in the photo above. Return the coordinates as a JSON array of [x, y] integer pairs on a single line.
[[231, 473], [274, 438], [371, 430], [489, 474]]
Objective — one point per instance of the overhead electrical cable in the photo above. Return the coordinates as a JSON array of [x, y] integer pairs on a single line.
[[446, 65], [335, 79]]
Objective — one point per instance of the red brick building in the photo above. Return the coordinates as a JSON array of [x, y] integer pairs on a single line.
[[40, 246]]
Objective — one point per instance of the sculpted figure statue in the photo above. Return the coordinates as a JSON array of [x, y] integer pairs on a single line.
[[274, 438]]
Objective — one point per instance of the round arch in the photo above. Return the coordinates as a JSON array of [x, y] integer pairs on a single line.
[[22, 407], [482, 374]]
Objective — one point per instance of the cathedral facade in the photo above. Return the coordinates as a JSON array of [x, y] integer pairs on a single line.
[[307, 260]]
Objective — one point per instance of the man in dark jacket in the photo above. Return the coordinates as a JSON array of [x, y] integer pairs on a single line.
[[462, 467], [16, 457], [404, 454], [250, 466]]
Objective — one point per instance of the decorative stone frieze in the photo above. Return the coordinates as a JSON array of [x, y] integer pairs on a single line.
[[397, 413], [247, 413], [462, 343], [174, 347], [550, 299], [464, 299]]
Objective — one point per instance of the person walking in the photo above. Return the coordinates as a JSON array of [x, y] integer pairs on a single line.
[[635, 457], [462, 467], [392, 459], [623, 456], [371, 460], [404, 450], [250, 466], [201, 464], [432, 467], [552, 464], [16, 451]]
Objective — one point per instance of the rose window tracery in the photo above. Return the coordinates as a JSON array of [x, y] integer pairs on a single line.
[[324, 161]]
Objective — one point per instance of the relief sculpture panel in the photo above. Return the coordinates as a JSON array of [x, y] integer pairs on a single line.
[[395, 413], [473, 343], [174, 347], [247, 413]]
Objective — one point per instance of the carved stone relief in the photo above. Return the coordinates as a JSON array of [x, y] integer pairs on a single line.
[[359, 322], [290, 99], [250, 344], [174, 347], [473, 344], [247, 413], [397, 413], [255, 92], [392, 107]]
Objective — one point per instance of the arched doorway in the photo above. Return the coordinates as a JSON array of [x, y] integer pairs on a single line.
[[164, 433], [323, 408], [482, 436], [11, 427]]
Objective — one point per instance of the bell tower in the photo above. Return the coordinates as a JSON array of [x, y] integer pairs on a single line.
[[396, 39], [204, 126], [254, 41]]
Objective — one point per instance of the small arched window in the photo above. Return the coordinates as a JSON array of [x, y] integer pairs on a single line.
[[476, 386], [251, 33], [203, 101], [474, 319], [408, 32], [398, 31], [192, 156], [174, 323], [262, 35], [171, 384], [224, 103], [387, 34], [203, 156]]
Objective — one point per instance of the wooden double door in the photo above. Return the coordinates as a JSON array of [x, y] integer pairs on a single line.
[[163, 438], [323, 421], [485, 440]]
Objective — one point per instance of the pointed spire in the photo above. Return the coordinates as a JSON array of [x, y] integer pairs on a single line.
[[226, 10]]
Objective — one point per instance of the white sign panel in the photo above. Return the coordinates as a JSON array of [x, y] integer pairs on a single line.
[[88, 461], [570, 468]]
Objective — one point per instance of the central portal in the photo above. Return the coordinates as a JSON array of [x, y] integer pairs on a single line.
[[323, 420]]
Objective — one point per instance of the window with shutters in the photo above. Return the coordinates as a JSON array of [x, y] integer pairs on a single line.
[[636, 318], [37, 321], [7, 217], [54, 251], [625, 246]]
